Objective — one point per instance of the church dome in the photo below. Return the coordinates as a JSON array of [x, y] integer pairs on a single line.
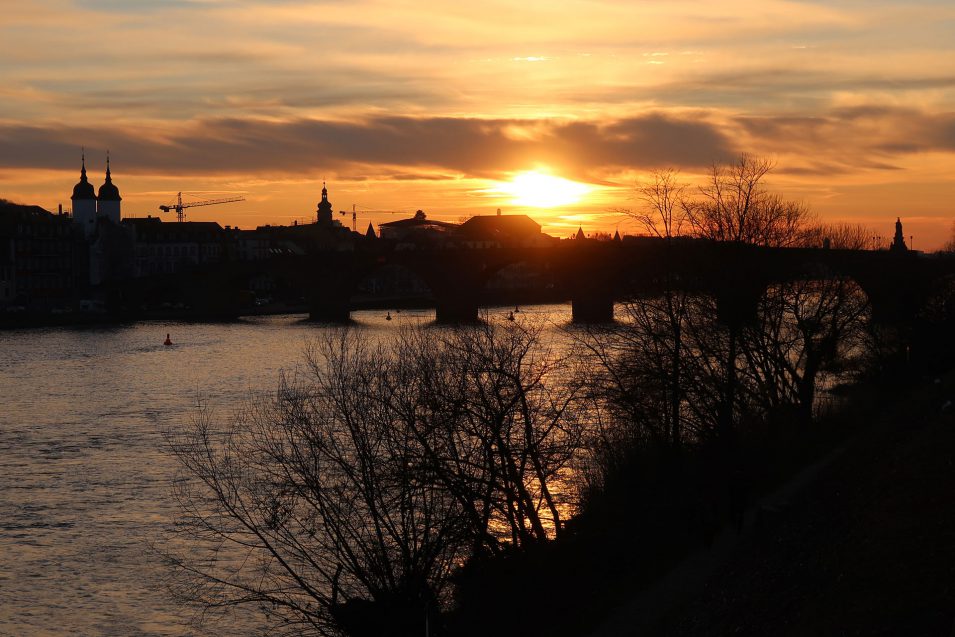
[[83, 189], [108, 191]]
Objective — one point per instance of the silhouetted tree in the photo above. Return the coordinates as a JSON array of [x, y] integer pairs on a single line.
[[663, 204], [838, 236], [655, 324], [500, 428], [315, 507], [674, 372], [734, 205], [342, 503], [803, 328], [950, 244]]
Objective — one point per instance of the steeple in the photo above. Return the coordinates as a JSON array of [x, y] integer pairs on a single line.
[[580, 234], [108, 204], [324, 212], [84, 201], [83, 189], [108, 191], [898, 241], [370, 233]]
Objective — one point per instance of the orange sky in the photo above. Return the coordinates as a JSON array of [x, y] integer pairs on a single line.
[[407, 105]]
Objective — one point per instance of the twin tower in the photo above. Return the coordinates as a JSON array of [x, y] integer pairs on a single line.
[[88, 206]]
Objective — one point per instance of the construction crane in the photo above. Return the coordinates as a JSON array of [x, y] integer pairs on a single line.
[[354, 215], [179, 206]]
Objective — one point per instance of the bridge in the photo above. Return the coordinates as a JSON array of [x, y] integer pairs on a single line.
[[594, 275]]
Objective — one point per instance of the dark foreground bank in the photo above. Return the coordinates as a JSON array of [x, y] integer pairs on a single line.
[[868, 548], [849, 530]]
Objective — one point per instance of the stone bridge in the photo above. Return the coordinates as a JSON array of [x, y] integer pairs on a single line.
[[594, 275]]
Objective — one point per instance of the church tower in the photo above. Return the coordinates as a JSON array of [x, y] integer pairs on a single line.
[[898, 241], [324, 213], [84, 202], [109, 199]]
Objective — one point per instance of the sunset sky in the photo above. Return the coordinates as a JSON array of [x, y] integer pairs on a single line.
[[440, 105]]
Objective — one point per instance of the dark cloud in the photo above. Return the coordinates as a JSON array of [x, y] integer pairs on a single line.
[[847, 139], [476, 147]]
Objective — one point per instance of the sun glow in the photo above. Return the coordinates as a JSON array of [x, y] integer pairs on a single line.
[[540, 190]]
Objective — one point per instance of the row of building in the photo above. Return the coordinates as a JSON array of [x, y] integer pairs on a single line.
[[55, 261]]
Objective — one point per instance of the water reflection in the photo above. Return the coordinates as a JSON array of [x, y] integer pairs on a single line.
[[83, 472]]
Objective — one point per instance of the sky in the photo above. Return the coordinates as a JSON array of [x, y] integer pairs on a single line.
[[440, 106]]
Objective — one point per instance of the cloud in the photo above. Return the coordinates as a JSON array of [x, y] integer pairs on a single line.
[[849, 140], [468, 146]]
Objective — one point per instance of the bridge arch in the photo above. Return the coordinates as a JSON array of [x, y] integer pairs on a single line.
[[389, 283]]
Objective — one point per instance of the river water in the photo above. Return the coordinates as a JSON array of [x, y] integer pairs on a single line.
[[84, 474]]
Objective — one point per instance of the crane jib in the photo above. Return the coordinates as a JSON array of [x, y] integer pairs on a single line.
[[179, 206]]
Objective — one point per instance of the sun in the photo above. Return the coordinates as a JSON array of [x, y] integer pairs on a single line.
[[540, 190]]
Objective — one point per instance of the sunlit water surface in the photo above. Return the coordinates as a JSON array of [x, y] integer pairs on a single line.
[[84, 474]]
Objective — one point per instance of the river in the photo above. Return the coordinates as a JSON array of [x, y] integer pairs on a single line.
[[84, 475]]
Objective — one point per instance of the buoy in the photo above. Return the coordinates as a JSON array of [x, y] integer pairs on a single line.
[[388, 317], [516, 309], [510, 316], [168, 340]]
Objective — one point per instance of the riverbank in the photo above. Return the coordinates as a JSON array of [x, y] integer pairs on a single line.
[[842, 506], [868, 548], [861, 542]]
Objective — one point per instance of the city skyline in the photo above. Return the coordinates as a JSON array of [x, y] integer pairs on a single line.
[[459, 111]]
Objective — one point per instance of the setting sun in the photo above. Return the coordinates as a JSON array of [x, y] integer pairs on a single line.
[[540, 190]]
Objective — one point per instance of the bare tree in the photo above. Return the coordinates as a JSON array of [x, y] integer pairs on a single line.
[[342, 503], [804, 329], [657, 324], [734, 206], [501, 428], [950, 244], [663, 210], [840, 236], [315, 506]]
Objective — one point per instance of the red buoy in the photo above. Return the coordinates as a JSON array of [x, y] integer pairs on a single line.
[[168, 340]]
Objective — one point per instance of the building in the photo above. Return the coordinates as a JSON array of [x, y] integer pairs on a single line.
[[170, 248], [500, 231], [480, 231], [37, 258], [108, 200], [418, 230], [323, 216], [88, 208], [84, 202], [898, 241]]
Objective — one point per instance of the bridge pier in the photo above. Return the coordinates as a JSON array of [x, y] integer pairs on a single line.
[[592, 308], [329, 310], [451, 310]]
